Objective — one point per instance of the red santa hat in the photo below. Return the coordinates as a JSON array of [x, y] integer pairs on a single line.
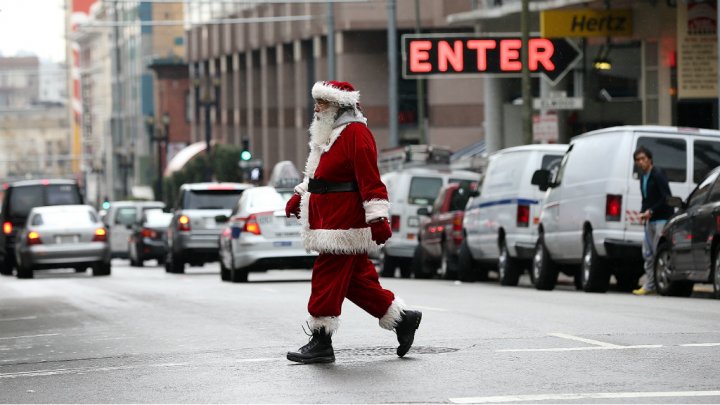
[[341, 93]]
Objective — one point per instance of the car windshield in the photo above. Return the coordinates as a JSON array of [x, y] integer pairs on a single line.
[[265, 199], [424, 190], [157, 218], [66, 218], [25, 198], [212, 199]]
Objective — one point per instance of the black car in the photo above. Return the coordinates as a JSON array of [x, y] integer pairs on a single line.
[[148, 239], [688, 251], [22, 196]]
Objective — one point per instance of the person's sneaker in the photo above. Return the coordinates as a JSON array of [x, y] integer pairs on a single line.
[[642, 291], [405, 330]]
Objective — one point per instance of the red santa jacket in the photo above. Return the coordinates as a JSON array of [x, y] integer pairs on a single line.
[[338, 222]]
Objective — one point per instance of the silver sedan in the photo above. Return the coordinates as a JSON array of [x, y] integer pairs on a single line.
[[259, 237], [63, 236]]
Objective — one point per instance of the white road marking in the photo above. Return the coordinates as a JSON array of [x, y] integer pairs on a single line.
[[579, 349], [29, 336], [700, 344], [24, 318], [580, 339], [82, 370], [259, 360], [570, 397], [430, 308]]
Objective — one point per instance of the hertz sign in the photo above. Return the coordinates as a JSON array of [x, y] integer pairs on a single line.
[[458, 55]]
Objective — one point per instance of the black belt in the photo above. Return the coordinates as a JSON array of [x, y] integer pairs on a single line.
[[323, 187]]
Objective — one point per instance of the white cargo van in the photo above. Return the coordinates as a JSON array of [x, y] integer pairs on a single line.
[[409, 189], [589, 227], [501, 223], [120, 218]]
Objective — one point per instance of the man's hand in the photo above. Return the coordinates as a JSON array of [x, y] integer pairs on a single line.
[[645, 216], [380, 230], [293, 206]]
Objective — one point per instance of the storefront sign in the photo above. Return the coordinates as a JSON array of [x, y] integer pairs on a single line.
[[697, 49], [545, 128], [585, 23], [457, 55]]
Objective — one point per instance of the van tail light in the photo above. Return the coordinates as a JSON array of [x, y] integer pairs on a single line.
[[523, 216], [251, 225], [613, 204], [33, 238], [100, 235], [183, 223], [7, 227], [457, 228], [148, 233], [395, 223]]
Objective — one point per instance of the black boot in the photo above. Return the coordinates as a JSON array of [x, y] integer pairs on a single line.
[[405, 329], [318, 350]]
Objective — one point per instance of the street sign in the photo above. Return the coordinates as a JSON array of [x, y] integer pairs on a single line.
[[558, 103], [545, 128], [458, 55], [250, 163]]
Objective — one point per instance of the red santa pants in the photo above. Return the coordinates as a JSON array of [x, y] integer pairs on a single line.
[[335, 277]]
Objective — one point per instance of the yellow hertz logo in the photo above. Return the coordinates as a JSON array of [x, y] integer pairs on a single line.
[[585, 23]]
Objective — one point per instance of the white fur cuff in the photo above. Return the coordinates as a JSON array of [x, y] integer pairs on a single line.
[[330, 323], [393, 314], [302, 187], [376, 208]]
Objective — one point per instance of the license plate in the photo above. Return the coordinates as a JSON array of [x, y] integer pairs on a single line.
[[210, 223], [282, 243], [66, 239]]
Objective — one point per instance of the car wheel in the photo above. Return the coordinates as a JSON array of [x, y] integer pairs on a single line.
[[174, 263], [716, 274], [663, 275], [80, 269], [101, 269], [136, 259], [420, 266], [593, 274], [468, 267], [389, 264], [6, 267], [405, 269], [626, 279], [224, 271], [508, 268], [239, 275], [24, 271], [545, 272]]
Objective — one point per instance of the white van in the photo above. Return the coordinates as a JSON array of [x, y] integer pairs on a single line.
[[589, 227], [409, 189], [501, 223], [119, 220]]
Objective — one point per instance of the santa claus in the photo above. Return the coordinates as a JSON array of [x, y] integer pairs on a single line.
[[343, 208]]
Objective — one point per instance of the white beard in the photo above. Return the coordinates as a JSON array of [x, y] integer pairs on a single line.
[[322, 126]]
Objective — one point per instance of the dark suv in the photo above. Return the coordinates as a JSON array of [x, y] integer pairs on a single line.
[[198, 219], [22, 196]]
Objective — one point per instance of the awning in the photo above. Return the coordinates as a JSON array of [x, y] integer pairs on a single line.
[[181, 158], [487, 13]]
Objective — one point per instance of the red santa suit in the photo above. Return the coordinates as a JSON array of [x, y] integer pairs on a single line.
[[335, 224]]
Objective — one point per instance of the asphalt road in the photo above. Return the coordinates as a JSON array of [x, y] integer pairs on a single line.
[[142, 335]]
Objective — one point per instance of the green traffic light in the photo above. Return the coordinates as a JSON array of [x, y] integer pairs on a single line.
[[245, 155], [106, 205]]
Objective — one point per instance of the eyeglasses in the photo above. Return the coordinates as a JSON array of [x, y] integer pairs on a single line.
[[321, 103]]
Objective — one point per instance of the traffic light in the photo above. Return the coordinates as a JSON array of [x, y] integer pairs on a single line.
[[245, 154], [105, 203]]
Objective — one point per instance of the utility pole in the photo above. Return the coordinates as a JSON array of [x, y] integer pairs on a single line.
[[420, 87], [331, 40], [526, 85], [392, 74]]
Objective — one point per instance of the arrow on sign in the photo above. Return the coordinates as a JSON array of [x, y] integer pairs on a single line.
[[470, 55]]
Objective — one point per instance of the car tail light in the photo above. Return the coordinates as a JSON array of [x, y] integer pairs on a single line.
[[613, 204], [523, 216], [148, 233], [7, 227], [100, 235], [33, 238], [457, 228], [251, 225], [183, 223], [395, 223]]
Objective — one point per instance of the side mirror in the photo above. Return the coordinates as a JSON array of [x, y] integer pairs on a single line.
[[675, 202], [474, 193], [541, 178], [424, 211], [221, 219]]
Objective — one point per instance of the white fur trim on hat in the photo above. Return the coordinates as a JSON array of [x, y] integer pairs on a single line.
[[325, 91], [376, 208], [330, 323], [393, 314]]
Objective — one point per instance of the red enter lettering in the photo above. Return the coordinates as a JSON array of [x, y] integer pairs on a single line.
[[452, 55], [419, 56], [481, 46], [540, 52], [510, 55]]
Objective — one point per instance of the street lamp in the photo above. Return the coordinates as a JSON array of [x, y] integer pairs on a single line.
[[210, 98], [159, 134]]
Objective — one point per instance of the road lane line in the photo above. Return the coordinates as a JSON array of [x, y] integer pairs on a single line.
[[430, 308], [580, 339], [260, 359], [82, 370], [570, 397], [29, 336], [580, 349], [24, 318], [700, 344]]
